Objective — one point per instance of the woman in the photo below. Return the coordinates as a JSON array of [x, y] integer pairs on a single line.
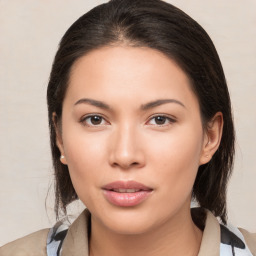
[[140, 123]]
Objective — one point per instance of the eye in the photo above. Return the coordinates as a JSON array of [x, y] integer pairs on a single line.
[[161, 120], [93, 120]]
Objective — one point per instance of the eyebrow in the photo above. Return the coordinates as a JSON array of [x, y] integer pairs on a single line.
[[156, 103], [143, 107], [92, 102]]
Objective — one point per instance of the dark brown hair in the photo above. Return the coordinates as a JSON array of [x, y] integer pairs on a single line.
[[161, 26]]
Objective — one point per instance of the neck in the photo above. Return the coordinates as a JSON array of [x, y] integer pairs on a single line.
[[179, 236]]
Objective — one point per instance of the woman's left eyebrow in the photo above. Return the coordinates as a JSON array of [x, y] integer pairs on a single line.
[[156, 103]]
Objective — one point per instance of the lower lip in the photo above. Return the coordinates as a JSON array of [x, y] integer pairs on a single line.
[[126, 199]]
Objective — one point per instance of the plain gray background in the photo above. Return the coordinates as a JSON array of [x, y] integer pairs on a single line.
[[29, 34]]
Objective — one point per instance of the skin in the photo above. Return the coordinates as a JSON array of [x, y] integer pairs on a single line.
[[128, 143]]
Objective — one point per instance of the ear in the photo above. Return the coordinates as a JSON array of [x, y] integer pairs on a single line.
[[59, 141], [212, 138]]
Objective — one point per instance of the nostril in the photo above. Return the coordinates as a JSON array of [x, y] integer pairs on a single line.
[[124, 165]]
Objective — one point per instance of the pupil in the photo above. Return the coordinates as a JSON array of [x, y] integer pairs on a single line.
[[96, 120], [160, 119]]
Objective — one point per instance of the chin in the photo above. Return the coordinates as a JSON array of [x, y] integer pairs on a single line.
[[128, 221], [130, 227]]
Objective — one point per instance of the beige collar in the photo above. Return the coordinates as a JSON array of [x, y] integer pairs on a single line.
[[210, 244], [76, 241]]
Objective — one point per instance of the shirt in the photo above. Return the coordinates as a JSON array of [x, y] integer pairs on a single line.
[[64, 240]]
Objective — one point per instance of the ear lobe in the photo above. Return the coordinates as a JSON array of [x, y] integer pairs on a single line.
[[59, 142], [212, 138]]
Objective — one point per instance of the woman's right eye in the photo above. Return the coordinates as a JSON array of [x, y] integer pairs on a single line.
[[93, 120]]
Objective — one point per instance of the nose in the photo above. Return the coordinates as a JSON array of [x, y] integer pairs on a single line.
[[126, 149]]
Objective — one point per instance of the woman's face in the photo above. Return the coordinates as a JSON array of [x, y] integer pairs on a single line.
[[132, 138]]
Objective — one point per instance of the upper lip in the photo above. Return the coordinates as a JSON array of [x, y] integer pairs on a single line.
[[126, 185]]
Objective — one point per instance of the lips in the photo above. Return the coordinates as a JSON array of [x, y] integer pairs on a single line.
[[126, 193], [124, 190]]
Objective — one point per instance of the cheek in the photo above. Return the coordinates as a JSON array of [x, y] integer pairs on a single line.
[[176, 157], [85, 156], [182, 146]]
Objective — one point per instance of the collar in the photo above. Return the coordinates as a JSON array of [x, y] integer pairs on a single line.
[[76, 241], [210, 244]]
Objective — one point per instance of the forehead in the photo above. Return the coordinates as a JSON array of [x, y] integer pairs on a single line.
[[124, 72], [126, 60]]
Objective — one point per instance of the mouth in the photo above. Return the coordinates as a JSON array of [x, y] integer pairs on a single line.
[[126, 193], [123, 190]]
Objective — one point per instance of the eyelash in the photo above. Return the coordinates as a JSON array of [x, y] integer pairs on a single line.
[[168, 118], [83, 119]]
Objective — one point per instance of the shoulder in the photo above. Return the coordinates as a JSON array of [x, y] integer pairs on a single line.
[[219, 239], [30, 245], [250, 239]]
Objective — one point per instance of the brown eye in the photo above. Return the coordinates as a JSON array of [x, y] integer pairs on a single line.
[[96, 120], [93, 120], [160, 120]]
